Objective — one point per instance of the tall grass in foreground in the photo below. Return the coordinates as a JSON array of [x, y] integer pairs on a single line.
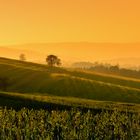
[[68, 125]]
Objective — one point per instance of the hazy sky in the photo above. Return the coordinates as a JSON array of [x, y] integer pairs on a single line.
[[30, 21]]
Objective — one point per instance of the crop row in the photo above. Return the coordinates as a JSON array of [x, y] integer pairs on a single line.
[[68, 125]]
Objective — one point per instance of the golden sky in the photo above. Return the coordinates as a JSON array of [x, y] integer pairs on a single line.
[[30, 21]]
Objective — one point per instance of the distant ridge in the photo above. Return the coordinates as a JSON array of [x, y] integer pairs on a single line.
[[71, 52], [31, 55]]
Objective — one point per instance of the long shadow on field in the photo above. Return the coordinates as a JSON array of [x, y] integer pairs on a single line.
[[17, 103]]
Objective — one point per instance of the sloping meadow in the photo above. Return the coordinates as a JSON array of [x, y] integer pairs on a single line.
[[26, 77]]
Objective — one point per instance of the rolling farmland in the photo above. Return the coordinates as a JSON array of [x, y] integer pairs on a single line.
[[34, 78], [52, 103]]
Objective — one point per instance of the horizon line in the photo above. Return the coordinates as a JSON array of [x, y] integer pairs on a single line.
[[68, 42]]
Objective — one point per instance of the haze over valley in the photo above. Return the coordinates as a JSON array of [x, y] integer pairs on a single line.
[[124, 54], [70, 69]]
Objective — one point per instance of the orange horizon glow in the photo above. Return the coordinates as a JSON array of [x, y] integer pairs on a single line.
[[45, 21]]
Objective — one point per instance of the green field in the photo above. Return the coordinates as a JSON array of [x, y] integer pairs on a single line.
[[50, 103], [18, 101], [31, 78], [68, 125]]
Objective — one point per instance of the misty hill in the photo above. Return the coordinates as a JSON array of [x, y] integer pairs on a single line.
[[108, 68], [86, 65], [126, 54], [35, 78], [31, 55], [130, 63]]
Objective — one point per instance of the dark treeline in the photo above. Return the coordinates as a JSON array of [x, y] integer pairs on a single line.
[[115, 69]]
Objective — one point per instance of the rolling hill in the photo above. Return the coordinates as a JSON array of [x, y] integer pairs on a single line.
[[32, 78], [14, 53], [71, 52]]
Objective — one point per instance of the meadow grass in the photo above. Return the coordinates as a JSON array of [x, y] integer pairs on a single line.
[[31, 78], [34, 100]]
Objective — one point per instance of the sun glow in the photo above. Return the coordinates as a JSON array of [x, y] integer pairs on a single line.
[[32, 21]]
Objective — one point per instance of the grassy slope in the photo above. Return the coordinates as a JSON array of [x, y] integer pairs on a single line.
[[56, 102], [35, 78]]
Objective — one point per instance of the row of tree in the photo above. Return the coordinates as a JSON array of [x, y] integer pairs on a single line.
[[52, 60], [116, 69]]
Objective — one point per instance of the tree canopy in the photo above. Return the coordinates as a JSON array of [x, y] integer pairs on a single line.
[[22, 57], [53, 60]]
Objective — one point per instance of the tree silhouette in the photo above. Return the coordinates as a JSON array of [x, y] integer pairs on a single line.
[[22, 57], [53, 60], [58, 62]]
